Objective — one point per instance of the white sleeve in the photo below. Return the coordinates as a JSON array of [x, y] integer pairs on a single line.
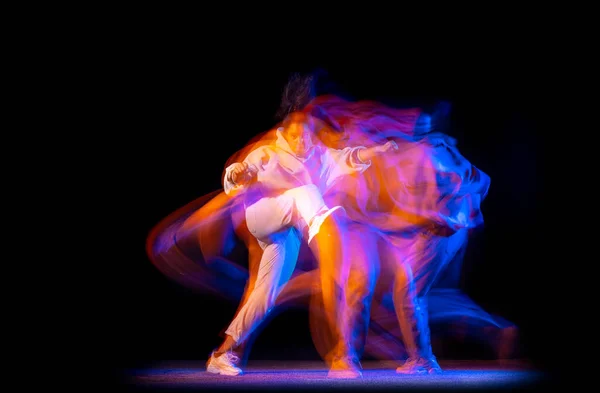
[[344, 162]]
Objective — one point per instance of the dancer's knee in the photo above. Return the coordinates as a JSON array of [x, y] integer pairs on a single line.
[[327, 223]]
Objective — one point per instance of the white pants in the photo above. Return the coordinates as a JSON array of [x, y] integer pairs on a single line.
[[277, 223]]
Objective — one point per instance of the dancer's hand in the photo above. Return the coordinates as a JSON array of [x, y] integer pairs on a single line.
[[242, 173], [365, 154], [389, 145], [238, 172]]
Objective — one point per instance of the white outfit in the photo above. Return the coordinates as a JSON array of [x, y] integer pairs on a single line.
[[285, 203]]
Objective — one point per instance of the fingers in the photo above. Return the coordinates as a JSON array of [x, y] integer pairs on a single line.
[[243, 172], [236, 173], [389, 145], [252, 168], [241, 168]]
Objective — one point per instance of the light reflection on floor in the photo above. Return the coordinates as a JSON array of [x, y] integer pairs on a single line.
[[293, 375]]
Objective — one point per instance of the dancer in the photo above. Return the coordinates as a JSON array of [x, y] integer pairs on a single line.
[[283, 185]]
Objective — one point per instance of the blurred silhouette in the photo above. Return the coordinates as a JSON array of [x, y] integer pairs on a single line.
[[408, 216]]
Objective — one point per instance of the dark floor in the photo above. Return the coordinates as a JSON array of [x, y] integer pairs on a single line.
[[298, 375]]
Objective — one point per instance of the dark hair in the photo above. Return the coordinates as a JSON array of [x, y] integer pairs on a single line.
[[299, 90]]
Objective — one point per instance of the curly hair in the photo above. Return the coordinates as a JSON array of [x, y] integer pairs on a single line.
[[297, 93], [299, 90]]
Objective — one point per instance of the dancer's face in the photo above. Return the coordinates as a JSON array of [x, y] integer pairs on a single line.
[[299, 136]]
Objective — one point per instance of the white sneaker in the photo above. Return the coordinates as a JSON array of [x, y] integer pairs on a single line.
[[224, 364]]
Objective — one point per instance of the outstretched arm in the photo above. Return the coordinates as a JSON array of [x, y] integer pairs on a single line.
[[353, 159], [367, 153]]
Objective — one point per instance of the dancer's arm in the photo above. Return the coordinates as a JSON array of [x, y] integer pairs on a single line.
[[367, 153], [353, 159], [240, 174]]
